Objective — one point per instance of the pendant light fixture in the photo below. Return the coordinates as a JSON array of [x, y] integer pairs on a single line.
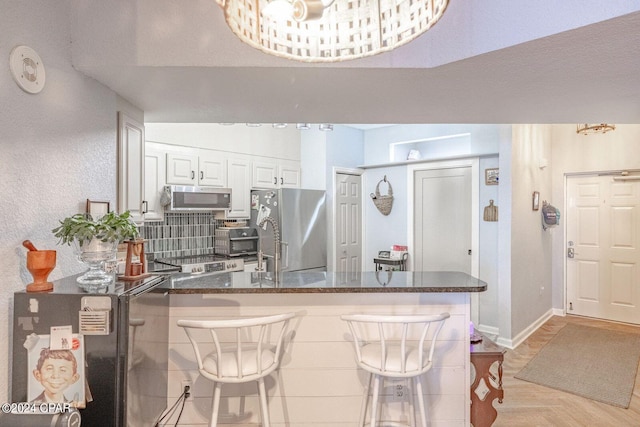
[[590, 128], [329, 30]]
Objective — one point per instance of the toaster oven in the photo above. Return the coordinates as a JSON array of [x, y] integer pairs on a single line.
[[236, 241]]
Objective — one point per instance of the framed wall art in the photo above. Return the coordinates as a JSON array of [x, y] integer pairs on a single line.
[[97, 208], [491, 176]]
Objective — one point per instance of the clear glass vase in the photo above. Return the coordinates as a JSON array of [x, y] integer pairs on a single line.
[[94, 253]]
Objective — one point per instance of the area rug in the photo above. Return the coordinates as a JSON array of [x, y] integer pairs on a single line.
[[591, 362]]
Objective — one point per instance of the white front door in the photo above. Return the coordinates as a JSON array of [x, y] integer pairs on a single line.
[[603, 234], [442, 220], [348, 239]]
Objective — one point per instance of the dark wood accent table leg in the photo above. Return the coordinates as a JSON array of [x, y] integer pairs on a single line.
[[483, 388]]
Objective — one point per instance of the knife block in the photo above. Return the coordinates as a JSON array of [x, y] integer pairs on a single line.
[[135, 270]]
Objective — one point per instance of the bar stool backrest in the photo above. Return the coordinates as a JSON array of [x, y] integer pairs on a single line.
[[397, 346], [244, 349]]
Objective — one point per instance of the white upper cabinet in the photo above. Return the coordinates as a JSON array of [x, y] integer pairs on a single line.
[[212, 167], [155, 167], [289, 174], [181, 169], [239, 180], [131, 162], [265, 174], [275, 173], [197, 167]]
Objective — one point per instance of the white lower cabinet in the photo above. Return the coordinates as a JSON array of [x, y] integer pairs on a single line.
[[250, 267]]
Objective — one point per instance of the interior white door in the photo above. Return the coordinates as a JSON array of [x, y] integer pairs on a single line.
[[442, 220], [348, 239], [603, 234]]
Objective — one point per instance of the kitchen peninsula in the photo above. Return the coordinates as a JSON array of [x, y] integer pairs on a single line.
[[318, 382]]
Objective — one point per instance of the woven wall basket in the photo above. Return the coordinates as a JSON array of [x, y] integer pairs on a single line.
[[384, 203]]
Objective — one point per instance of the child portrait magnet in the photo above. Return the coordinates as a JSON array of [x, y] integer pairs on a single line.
[[56, 372]]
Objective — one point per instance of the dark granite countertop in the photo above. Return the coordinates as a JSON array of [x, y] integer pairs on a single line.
[[324, 282]]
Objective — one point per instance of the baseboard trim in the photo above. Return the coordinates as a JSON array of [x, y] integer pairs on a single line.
[[518, 339], [489, 330]]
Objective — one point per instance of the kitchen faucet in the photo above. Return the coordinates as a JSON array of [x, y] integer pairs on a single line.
[[276, 253]]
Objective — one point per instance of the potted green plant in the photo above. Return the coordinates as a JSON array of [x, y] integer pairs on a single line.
[[95, 241]]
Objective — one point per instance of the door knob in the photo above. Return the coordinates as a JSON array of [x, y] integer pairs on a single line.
[[570, 253]]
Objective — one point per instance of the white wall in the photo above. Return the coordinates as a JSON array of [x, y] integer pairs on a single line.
[[488, 313], [530, 245], [381, 232], [58, 148], [313, 160], [573, 153]]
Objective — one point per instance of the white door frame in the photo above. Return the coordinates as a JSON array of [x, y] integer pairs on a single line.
[[332, 251], [474, 164]]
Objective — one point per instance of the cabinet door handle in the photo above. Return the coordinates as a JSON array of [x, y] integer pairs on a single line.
[[193, 174], [275, 180], [145, 206], [281, 181], [201, 175]]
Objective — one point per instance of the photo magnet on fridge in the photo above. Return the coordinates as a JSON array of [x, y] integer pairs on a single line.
[[56, 376]]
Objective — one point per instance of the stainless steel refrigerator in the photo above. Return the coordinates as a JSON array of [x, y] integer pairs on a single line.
[[302, 221], [124, 332]]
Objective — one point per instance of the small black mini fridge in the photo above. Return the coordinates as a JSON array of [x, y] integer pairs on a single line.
[[119, 349]]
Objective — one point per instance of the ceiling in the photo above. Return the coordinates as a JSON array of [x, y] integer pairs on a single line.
[[194, 70]]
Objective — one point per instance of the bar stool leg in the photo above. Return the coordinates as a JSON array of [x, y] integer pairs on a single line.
[[411, 401], [423, 415], [374, 400], [264, 410], [213, 422], [365, 400]]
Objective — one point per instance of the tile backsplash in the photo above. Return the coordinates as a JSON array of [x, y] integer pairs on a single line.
[[181, 234]]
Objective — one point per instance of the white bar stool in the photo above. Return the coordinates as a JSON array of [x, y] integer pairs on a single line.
[[252, 353], [394, 347]]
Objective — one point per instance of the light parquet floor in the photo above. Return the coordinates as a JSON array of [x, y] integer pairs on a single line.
[[530, 405]]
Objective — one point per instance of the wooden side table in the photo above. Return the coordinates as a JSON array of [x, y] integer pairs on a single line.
[[485, 387]]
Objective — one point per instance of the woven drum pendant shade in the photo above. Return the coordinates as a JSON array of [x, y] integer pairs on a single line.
[[348, 29]]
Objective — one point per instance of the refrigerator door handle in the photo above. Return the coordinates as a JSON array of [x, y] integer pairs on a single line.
[[284, 254]]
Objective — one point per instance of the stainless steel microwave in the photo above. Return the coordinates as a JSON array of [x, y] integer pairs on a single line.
[[194, 198]]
